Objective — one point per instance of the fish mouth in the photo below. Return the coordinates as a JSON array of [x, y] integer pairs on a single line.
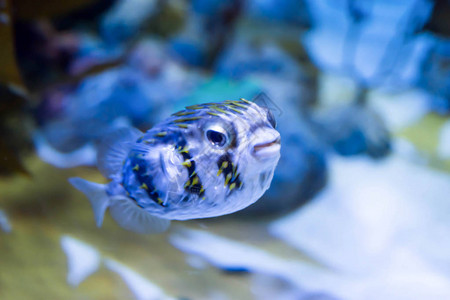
[[268, 149]]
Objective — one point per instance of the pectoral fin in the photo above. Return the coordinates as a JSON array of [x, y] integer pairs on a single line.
[[132, 217], [114, 149]]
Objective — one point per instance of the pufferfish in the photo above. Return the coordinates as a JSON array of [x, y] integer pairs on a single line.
[[205, 161]]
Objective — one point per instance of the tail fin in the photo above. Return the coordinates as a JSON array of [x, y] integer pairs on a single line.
[[97, 196]]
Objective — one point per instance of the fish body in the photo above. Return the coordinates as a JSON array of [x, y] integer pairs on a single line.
[[208, 160]]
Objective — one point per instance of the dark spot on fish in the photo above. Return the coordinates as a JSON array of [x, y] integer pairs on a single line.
[[185, 198], [229, 172], [193, 184], [146, 181], [263, 179], [234, 142]]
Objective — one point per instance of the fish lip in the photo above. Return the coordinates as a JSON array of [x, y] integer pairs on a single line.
[[267, 149]]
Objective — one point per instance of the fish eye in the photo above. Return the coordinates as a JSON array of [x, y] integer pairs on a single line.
[[217, 136], [271, 118]]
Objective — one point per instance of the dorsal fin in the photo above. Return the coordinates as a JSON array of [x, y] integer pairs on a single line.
[[114, 148]]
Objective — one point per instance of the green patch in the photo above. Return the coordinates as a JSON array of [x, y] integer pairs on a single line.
[[425, 133]]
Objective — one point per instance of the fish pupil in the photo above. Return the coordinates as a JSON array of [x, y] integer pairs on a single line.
[[216, 138]]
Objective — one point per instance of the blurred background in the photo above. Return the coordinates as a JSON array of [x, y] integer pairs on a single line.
[[359, 206]]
